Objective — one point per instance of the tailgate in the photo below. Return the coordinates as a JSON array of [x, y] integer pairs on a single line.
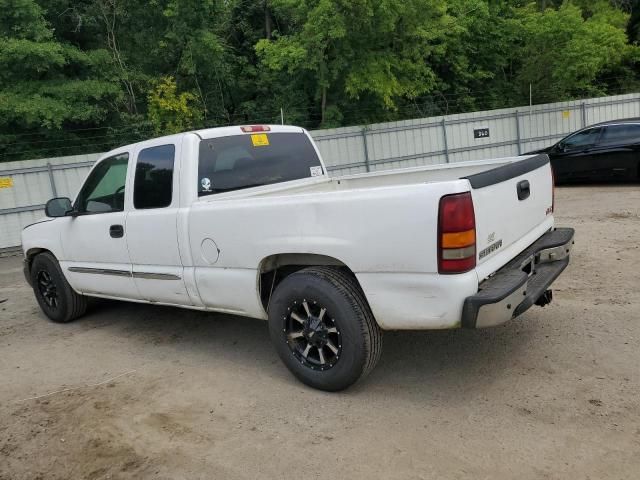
[[513, 207]]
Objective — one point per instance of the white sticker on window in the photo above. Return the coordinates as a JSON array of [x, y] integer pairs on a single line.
[[316, 171]]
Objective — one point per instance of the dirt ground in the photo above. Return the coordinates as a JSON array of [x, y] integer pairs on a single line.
[[156, 392]]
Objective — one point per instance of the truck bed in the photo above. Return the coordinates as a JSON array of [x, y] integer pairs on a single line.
[[382, 225], [388, 178]]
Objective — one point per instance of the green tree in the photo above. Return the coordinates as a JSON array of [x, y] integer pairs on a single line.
[[347, 50], [634, 23], [565, 56], [475, 64], [87, 75], [170, 111], [45, 85]]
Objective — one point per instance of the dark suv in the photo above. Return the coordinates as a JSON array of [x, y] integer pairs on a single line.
[[607, 151]]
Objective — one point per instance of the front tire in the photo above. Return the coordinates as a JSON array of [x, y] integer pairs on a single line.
[[55, 296], [323, 329]]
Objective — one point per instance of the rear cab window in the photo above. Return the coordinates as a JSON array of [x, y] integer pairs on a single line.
[[250, 160]]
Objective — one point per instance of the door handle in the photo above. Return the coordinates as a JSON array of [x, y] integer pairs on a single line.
[[524, 189], [116, 231]]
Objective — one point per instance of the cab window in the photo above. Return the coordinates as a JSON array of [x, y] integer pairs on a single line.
[[103, 191], [243, 161], [153, 184]]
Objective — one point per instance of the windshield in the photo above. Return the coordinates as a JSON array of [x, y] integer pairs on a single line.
[[243, 161]]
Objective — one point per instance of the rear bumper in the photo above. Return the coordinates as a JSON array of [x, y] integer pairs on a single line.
[[521, 283]]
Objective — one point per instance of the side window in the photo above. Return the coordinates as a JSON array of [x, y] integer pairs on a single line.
[[104, 189], [153, 185], [581, 139], [621, 134]]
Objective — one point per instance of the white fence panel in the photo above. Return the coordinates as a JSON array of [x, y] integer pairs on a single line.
[[33, 183]]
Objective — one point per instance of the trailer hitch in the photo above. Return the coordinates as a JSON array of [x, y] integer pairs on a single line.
[[545, 298]]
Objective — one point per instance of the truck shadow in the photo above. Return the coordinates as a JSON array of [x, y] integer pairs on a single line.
[[425, 363], [453, 363]]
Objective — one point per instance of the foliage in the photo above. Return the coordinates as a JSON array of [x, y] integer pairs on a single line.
[[46, 84], [170, 112], [348, 49], [87, 75], [633, 29], [565, 55]]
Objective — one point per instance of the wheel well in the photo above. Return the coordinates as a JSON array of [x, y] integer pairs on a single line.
[[32, 252], [276, 268]]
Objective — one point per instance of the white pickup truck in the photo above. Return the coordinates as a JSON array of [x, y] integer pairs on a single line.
[[245, 220]]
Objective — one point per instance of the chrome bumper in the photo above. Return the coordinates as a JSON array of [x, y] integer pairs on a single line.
[[521, 283]]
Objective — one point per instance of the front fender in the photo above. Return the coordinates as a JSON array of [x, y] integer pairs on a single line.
[[41, 236]]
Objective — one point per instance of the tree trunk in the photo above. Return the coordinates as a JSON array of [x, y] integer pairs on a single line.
[[323, 105], [108, 9], [267, 20], [633, 28]]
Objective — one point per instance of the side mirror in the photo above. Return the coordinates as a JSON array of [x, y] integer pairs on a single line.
[[58, 207]]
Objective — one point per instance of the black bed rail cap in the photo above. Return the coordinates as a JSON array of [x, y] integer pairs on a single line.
[[506, 172]]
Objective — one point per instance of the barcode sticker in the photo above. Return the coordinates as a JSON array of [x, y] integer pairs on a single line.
[[316, 171]]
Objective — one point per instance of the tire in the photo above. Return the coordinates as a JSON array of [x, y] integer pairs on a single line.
[[342, 345], [55, 296]]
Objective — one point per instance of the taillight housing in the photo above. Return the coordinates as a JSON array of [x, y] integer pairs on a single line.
[[456, 234], [553, 190], [255, 128]]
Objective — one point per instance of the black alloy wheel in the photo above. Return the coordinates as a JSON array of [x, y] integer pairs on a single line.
[[47, 288], [312, 335], [55, 296], [322, 327]]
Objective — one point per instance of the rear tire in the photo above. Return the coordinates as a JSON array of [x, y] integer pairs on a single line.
[[55, 296], [323, 329]]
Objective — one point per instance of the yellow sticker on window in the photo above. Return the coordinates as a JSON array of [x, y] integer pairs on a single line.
[[6, 182], [260, 140]]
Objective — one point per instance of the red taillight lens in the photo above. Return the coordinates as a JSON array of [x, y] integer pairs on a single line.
[[255, 128], [456, 234]]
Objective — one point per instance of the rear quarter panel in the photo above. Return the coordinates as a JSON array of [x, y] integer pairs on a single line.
[[378, 232]]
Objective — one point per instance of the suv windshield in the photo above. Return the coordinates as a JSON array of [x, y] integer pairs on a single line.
[[250, 160]]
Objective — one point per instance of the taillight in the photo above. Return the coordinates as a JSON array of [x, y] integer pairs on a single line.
[[456, 234], [255, 128], [553, 190]]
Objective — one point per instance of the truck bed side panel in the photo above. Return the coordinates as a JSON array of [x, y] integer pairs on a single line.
[[385, 235]]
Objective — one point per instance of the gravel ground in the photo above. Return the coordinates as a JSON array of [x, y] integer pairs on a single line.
[[154, 392]]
